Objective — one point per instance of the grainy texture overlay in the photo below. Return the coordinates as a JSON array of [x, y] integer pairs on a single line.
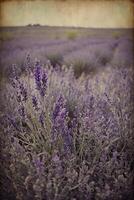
[[66, 100], [87, 13]]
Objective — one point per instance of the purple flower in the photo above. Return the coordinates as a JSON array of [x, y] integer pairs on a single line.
[[58, 106], [60, 123], [44, 80], [13, 123], [37, 76], [23, 92], [41, 118], [13, 83], [35, 102], [18, 97], [21, 111], [44, 84], [42, 92], [14, 77], [40, 80]]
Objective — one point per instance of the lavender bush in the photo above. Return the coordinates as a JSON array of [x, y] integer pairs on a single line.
[[68, 138]]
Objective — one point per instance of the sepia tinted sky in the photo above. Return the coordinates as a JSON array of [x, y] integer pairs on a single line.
[[83, 13]]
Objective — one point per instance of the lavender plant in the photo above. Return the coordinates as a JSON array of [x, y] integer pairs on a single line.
[[68, 138]]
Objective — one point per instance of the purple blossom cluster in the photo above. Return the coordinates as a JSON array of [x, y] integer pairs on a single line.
[[60, 125], [74, 143], [40, 79], [35, 102]]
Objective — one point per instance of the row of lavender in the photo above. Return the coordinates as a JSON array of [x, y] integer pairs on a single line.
[[84, 53], [67, 138]]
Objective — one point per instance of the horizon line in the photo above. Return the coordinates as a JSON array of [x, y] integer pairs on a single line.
[[42, 25]]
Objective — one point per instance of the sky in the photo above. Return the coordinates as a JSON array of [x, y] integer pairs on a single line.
[[78, 13]]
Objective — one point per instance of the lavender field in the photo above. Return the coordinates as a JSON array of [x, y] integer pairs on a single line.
[[66, 113], [89, 49]]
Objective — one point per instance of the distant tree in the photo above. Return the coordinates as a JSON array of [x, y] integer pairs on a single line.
[[29, 25], [36, 25]]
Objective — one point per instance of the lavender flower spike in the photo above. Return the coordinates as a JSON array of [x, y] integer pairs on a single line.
[[40, 80], [37, 75], [58, 107], [21, 111], [41, 119], [44, 84], [35, 102], [23, 92]]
